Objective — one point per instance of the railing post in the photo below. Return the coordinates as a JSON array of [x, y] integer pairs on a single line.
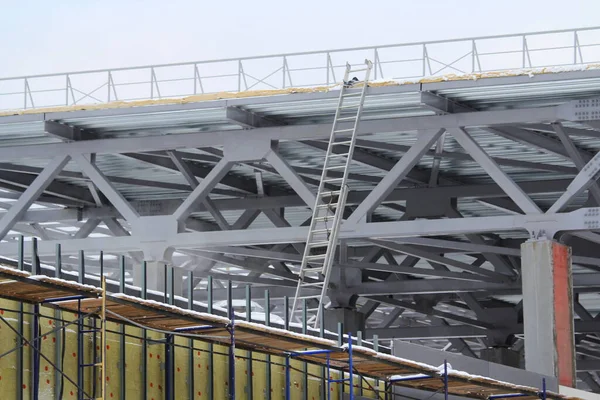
[[424, 58], [375, 61], [151, 83], [328, 62], [283, 71], [67, 84], [524, 50]]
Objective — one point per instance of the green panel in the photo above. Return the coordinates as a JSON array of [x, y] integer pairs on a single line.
[[221, 372], [113, 384], [133, 357], [201, 370], [259, 376], [156, 372], [181, 368], [8, 372]]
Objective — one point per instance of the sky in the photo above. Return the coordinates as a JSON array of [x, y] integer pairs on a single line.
[[40, 36]]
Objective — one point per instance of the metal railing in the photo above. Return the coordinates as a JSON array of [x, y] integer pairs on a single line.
[[407, 61]]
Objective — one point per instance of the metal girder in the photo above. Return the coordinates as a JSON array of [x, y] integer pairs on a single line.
[[424, 141], [492, 169], [87, 228], [398, 269], [454, 155], [441, 104], [31, 194], [576, 157], [201, 171], [248, 119], [371, 160], [193, 181], [201, 191], [572, 221], [584, 179], [290, 132], [107, 188], [461, 331], [67, 132], [57, 189], [409, 250], [291, 177]]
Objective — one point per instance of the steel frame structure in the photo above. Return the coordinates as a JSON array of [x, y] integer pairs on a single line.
[[447, 179]]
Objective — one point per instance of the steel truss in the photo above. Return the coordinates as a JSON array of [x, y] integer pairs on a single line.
[[230, 199]]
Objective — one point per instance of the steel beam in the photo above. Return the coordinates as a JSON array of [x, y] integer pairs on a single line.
[[107, 188], [202, 190], [29, 196], [291, 177], [424, 141], [291, 132], [494, 171]]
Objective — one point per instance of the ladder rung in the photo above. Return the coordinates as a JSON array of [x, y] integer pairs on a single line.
[[311, 284], [314, 296], [328, 180], [343, 130], [331, 193], [338, 155], [344, 143], [358, 70], [347, 118], [350, 106], [327, 205], [316, 257], [326, 218], [335, 167], [352, 94], [317, 244]]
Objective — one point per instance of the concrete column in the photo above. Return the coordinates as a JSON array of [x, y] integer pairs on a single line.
[[548, 309]]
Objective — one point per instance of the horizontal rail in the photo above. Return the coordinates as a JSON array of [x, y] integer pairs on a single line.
[[413, 60]]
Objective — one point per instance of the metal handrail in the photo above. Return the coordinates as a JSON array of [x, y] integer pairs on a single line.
[[391, 61]]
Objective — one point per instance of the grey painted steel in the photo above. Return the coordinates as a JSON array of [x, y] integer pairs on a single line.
[[396, 61], [472, 365]]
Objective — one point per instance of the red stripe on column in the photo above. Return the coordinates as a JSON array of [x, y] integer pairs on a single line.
[[563, 315]]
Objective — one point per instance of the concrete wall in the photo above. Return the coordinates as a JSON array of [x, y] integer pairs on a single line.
[[155, 383]]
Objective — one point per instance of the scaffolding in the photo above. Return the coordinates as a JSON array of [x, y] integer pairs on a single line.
[[359, 369]]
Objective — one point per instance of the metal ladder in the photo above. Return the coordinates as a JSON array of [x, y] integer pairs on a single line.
[[330, 202]]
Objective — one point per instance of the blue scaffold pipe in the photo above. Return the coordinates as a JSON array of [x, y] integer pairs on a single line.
[[544, 389], [445, 380], [66, 298], [350, 366], [193, 328], [328, 379], [287, 378], [507, 396], [410, 378], [309, 353]]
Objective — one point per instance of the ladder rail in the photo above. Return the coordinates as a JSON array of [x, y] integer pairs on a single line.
[[329, 223]]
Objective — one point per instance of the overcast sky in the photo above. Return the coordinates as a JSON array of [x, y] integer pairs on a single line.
[[40, 36]]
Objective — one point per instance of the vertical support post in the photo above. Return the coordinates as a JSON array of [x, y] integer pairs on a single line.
[[376, 348], [359, 343], [144, 294], [268, 357], [211, 392], [287, 377], [249, 386], [81, 277], [232, 339], [122, 344], [104, 338], [35, 355], [21, 323], [286, 312], [548, 309], [543, 388], [169, 340], [305, 366], [191, 380], [324, 387], [445, 380], [340, 332], [80, 360], [283, 71], [350, 366], [327, 63], [101, 261], [58, 378], [328, 378]]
